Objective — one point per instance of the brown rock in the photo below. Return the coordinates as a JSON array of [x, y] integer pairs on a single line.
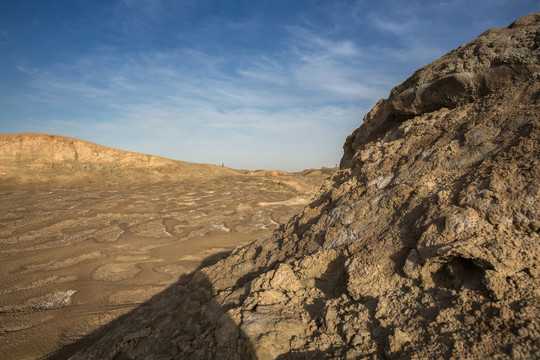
[[424, 245]]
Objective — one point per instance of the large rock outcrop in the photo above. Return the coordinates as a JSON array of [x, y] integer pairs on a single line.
[[425, 245]]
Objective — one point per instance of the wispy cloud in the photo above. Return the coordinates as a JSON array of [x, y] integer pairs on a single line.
[[335, 67], [183, 80], [315, 88], [310, 65], [264, 103], [397, 28]]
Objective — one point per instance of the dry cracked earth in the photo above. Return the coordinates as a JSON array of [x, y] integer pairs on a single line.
[[75, 259]]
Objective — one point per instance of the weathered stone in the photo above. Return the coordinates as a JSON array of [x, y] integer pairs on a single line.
[[440, 184]]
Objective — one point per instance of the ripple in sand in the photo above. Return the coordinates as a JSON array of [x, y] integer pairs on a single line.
[[37, 284], [21, 322], [57, 299], [136, 296], [204, 253], [172, 269], [52, 300], [132, 257], [220, 227], [55, 265], [153, 228], [116, 272], [108, 234]]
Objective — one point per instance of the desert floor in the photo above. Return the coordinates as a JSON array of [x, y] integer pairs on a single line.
[[73, 260]]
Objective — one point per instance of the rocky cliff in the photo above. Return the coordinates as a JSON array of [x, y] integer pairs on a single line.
[[36, 159], [425, 245]]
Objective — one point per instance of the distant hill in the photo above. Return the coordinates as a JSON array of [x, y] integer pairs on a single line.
[[39, 159]]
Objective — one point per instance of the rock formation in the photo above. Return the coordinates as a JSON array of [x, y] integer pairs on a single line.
[[51, 159], [425, 245]]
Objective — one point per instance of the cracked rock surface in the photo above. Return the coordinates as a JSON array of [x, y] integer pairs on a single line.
[[424, 245]]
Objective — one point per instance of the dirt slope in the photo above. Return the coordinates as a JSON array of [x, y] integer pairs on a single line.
[[40, 159], [425, 245]]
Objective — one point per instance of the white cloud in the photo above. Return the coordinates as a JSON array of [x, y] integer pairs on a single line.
[[26, 70], [398, 28], [296, 104]]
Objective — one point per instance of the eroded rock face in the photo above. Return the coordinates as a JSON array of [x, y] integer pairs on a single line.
[[425, 245]]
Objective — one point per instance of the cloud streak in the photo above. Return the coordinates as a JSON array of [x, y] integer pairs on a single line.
[[248, 90], [269, 103]]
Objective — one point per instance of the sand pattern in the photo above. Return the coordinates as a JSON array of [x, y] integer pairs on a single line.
[[74, 259]]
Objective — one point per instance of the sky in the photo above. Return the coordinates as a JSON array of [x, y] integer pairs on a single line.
[[252, 84]]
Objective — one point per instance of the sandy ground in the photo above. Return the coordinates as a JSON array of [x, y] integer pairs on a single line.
[[72, 260]]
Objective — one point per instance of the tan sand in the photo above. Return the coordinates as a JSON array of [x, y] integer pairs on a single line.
[[74, 259]]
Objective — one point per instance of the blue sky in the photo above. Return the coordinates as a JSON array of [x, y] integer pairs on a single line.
[[252, 84]]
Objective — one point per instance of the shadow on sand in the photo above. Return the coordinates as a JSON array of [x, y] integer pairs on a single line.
[[183, 322]]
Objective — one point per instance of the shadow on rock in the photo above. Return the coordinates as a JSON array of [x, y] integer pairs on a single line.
[[184, 321]]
